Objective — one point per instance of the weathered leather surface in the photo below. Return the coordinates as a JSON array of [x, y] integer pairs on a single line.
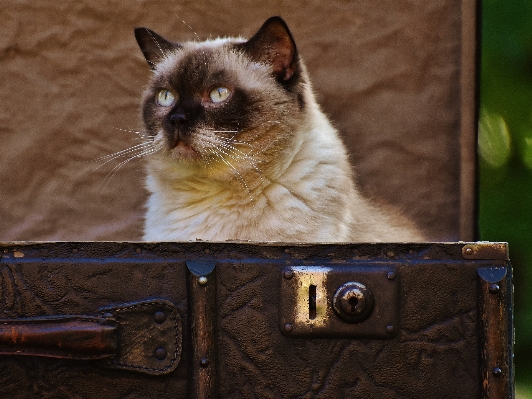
[[52, 279], [387, 72], [437, 343], [145, 327], [435, 353], [126, 336]]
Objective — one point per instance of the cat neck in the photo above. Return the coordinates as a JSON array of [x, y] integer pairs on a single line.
[[278, 203]]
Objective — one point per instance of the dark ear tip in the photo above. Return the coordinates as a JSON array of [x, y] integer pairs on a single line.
[[276, 20], [278, 27], [140, 30]]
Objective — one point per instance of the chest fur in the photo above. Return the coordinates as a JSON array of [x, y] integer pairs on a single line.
[[301, 203]]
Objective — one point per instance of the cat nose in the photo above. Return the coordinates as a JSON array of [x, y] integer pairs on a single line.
[[178, 118]]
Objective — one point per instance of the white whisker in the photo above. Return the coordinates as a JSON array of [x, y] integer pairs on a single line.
[[144, 135], [189, 27], [230, 139], [213, 151], [111, 157], [234, 153], [144, 153]]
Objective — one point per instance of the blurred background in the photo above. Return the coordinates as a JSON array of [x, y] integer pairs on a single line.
[[505, 149], [396, 78]]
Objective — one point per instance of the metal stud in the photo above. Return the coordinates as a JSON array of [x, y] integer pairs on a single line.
[[202, 280], [159, 317], [160, 354], [494, 288]]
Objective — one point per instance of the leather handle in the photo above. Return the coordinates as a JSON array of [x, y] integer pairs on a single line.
[[144, 336], [68, 337]]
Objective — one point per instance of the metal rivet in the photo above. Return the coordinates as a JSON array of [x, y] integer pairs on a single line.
[[468, 250], [494, 288], [159, 317], [138, 250], [107, 315], [160, 354], [288, 328], [391, 275], [497, 371], [287, 251], [75, 251], [288, 274], [204, 362], [202, 280], [6, 251], [390, 329], [207, 251]]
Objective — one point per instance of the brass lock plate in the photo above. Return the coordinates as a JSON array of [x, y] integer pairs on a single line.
[[310, 295]]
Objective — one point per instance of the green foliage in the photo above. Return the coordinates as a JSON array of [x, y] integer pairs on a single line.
[[493, 139], [505, 149]]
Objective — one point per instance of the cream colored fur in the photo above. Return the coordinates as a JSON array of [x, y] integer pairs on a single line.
[[288, 181]]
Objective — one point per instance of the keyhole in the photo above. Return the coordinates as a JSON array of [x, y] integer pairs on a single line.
[[353, 301], [312, 302]]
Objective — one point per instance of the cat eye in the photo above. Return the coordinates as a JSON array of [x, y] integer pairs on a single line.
[[219, 94], [165, 98]]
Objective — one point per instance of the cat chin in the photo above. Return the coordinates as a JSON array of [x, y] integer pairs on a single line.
[[184, 152]]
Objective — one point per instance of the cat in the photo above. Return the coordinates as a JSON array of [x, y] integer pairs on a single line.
[[239, 149]]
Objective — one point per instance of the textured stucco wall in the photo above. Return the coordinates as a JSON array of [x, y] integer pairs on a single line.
[[387, 72]]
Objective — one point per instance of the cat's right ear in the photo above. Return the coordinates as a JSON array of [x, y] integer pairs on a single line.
[[153, 46], [274, 45]]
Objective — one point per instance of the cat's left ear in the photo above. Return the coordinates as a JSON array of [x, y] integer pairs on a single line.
[[153, 46], [274, 45]]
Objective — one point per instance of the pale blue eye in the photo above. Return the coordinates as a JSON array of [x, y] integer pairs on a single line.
[[219, 94], [166, 98]]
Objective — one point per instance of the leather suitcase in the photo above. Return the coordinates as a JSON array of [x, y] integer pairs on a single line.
[[240, 320]]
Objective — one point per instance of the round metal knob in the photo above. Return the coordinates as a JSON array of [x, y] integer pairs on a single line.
[[353, 302]]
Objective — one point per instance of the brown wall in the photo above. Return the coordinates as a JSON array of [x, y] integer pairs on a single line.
[[388, 73]]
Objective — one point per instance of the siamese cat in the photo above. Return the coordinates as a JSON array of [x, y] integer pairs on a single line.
[[239, 149]]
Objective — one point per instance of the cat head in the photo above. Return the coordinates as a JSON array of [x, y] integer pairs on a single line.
[[215, 101]]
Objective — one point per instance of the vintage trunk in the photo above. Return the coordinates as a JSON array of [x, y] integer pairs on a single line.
[[239, 320]]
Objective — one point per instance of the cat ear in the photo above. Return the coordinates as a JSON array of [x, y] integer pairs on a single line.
[[153, 46], [273, 44]]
